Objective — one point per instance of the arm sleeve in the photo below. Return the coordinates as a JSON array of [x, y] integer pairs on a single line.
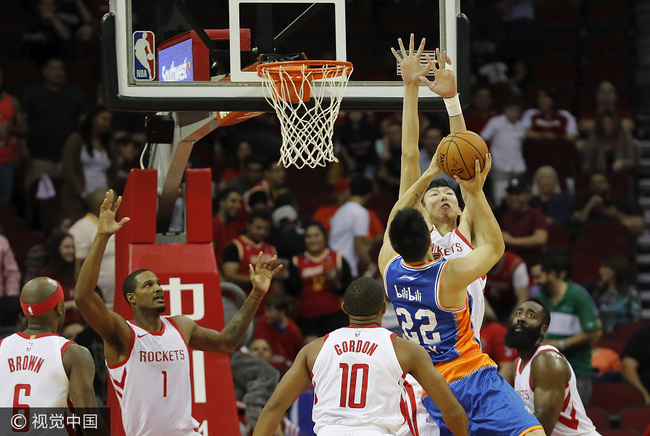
[[254, 382], [231, 254]]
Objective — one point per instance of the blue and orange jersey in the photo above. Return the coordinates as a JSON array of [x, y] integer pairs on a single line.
[[445, 333]]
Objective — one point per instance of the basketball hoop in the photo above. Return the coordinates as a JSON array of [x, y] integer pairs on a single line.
[[306, 127]]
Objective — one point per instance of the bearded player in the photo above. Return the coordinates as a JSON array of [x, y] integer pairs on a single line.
[[544, 378]]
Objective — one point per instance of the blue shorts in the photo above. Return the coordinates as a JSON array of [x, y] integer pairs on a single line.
[[492, 406]]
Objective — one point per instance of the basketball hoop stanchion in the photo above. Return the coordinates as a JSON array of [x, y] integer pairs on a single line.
[[297, 90]]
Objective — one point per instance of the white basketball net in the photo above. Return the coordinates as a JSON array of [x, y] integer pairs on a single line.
[[307, 127]]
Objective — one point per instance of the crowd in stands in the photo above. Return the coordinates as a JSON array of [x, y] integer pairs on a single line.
[[562, 184]]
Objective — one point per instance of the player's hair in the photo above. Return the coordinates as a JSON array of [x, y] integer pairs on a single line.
[[279, 301], [409, 234], [129, 282], [360, 186], [437, 183], [258, 213], [364, 297], [546, 313], [556, 261]]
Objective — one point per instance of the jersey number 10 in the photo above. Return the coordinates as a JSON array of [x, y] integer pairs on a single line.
[[349, 385]]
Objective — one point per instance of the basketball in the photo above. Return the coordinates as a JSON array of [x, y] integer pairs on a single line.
[[458, 151]]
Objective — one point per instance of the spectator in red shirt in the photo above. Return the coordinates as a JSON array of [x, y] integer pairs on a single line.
[[225, 226], [244, 250], [280, 331], [318, 278], [524, 227], [547, 121]]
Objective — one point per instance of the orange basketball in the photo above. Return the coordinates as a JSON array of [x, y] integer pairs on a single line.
[[458, 151]]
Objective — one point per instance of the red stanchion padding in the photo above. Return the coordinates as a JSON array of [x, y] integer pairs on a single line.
[[198, 203]]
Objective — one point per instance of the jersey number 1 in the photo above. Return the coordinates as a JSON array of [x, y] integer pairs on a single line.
[[349, 385]]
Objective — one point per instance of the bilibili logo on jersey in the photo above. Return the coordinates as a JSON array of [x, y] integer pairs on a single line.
[[144, 58]]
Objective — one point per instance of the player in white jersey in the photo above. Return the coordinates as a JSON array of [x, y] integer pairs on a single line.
[[544, 378], [151, 347], [440, 204], [452, 229], [40, 369], [358, 373]]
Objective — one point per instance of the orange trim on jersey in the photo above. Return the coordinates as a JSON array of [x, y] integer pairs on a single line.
[[528, 430], [178, 329], [466, 364], [448, 309], [65, 347], [128, 352]]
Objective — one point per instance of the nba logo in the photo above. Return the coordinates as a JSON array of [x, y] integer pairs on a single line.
[[144, 59]]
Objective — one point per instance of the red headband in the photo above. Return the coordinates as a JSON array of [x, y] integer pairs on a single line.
[[36, 309]]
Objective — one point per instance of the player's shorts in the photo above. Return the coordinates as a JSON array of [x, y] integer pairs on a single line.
[[492, 406]]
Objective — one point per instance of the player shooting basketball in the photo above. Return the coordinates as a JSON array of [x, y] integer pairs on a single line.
[[429, 294], [148, 357], [439, 205]]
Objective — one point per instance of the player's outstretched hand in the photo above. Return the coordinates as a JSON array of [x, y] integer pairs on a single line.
[[263, 272], [107, 212], [444, 83], [412, 69], [475, 184]]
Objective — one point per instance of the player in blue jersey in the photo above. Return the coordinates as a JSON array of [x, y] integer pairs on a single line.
[[429, 294]]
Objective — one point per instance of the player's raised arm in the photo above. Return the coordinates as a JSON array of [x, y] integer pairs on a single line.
[[109, 325], [460, 272], [414, 360], [291, 385], [411, 198], [227, 340], [412, 70]]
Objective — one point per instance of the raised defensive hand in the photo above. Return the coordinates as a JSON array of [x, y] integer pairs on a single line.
[[412, 69], [262, 274], [444, 83], [107, 212], [475, 184]]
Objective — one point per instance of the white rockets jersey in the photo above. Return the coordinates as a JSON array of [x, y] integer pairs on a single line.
[[32, 372], [573, 420], [358, 382], [451, 246], [153, 383]]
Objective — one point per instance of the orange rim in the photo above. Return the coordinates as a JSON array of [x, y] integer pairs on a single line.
[[315, 70]]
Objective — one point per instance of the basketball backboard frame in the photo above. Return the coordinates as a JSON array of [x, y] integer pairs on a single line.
[[244, 91]]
